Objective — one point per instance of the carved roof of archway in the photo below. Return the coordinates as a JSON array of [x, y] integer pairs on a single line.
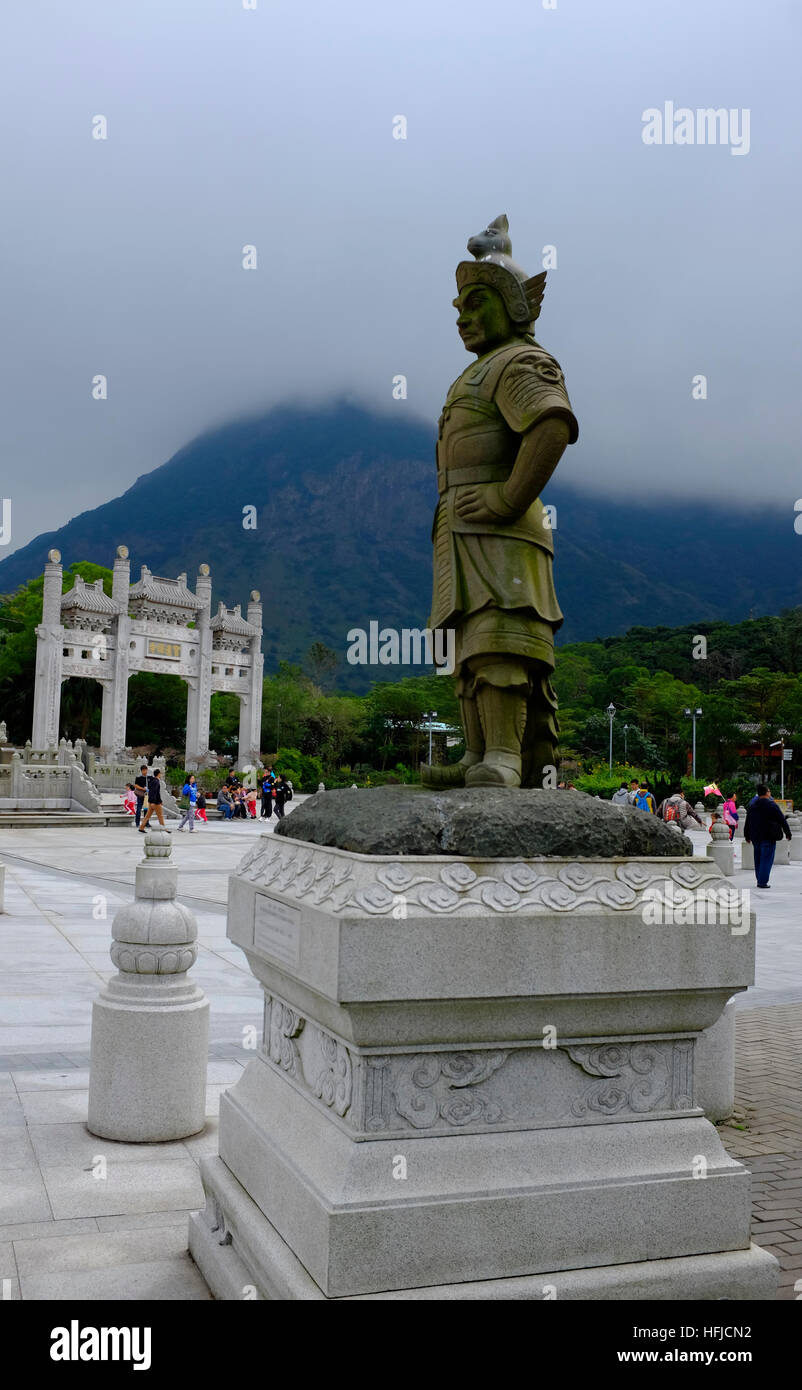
[[87, 598], [153, 588], [231, 620]]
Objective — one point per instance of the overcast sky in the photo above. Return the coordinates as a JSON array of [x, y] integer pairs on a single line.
[[273, 127]]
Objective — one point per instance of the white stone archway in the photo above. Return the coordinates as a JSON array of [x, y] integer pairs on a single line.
[[145, 626]]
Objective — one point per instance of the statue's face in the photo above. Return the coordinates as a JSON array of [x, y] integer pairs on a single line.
[[482, 321]]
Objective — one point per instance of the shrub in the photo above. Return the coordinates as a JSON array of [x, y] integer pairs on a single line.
[[305, 770], [599, 781]]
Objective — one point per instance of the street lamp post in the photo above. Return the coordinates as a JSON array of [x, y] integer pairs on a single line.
[[780, 743], [278, 727], [611, 717], [430, 715], [693, 714], [626, 731]]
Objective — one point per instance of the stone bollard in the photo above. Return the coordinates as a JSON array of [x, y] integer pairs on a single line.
[[720, 849], [747, 856], [739, 829], [782, 854], [795, 827], [321, 786], [701, 813], [150, 1024], [354, 787]]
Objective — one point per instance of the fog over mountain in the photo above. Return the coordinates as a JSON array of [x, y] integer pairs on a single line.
[[273, 128], [343, 504]]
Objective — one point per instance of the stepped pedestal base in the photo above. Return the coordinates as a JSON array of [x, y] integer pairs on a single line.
[[476, 1081], [244, 1257]]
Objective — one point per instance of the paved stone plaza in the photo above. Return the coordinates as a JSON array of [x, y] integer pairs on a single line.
[[66, 1232]]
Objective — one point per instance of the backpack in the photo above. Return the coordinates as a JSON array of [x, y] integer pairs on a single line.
[[671, 810], [642, 801]]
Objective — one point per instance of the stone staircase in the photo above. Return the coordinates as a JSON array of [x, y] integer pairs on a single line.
[[111, 807], [111, 813], [20, 820], [49, 787]]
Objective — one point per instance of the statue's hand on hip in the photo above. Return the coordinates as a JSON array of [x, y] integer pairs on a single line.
[[485, 503]]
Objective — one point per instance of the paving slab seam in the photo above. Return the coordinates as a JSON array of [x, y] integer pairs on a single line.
[[208, 905]]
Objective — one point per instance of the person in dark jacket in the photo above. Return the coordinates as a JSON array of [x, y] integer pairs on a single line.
[[765, 826], [154, 802], [282, 790], [140, 792]]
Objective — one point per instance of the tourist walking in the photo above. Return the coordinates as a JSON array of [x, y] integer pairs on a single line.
[[140, 792], [267, 793], [730, 813], [634, 787], [621, 797], [283, 793], [190, 789], [675, 807], [200, 807], [154, 801], [644, 799], [764, 828]]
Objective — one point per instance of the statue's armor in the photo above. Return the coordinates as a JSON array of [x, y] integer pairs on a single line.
[[497, 570]]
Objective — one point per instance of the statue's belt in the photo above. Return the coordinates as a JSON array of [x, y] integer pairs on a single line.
[[475, 473]]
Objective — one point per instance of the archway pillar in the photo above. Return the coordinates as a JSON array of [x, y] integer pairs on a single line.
[[199, 686], [250, 708], [49, 659], [114, 715]]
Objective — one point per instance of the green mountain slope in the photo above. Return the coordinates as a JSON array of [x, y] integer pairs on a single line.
[[344, 500]]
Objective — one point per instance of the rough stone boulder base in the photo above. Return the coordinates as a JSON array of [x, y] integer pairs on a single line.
[[487, 823]]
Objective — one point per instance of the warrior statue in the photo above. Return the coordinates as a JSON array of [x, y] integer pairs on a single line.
[[504, 427]]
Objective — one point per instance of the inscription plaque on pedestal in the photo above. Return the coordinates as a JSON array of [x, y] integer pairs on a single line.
[[276, 930]]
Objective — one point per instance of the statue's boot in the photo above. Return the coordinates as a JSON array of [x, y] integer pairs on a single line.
[[453, 774], [503, 715], [539, 749]]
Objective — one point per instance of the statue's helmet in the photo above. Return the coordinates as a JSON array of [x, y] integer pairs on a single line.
[[522, 294]]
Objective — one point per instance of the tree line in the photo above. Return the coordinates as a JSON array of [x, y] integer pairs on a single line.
[[746, 677]]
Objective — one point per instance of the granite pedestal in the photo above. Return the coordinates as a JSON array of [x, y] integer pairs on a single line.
[[476, 1079]]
